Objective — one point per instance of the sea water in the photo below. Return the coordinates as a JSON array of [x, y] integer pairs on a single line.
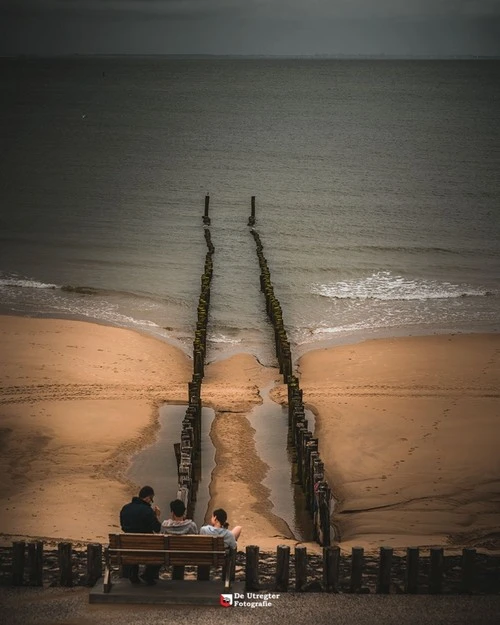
[[376, 183]]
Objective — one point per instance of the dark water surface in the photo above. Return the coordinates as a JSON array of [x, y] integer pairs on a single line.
[[270, 422], [156, 464], [378, 195]]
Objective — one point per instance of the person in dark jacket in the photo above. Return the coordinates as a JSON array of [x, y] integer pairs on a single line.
[[141, 516]]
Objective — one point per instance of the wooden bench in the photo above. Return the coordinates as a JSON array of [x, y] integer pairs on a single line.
[[169, 550]]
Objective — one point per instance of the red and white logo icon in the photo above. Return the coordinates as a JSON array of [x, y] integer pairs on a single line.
[[226, 600]]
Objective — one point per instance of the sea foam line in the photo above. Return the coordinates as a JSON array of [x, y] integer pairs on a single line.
[[385, 286]]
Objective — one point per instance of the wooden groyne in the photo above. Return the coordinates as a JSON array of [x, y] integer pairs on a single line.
[[188, 451], [410, 571], [310, 468]]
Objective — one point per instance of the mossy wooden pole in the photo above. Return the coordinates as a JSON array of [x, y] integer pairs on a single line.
[[331, 568], [436, 571], [384, 571], [357, 560], [282, 567], [468, 570], [18, 555], [65, 564], [411, 573], [324, 512], [300, 568], [252, 568], [206, 218], [35, 563], [251, 219], [94, 563]]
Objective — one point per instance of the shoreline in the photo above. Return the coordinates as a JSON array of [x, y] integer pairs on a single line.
[[299, 349], [128, 390]]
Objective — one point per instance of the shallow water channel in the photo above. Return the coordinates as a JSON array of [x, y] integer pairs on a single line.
[[270, 422], [156, 465]]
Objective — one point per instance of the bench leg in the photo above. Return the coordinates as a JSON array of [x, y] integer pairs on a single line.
[[107, 580], [203, 573], [177, 572], [228, 572], [107, 572]]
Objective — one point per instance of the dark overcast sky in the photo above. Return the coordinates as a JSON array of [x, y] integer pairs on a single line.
[[268, 27]]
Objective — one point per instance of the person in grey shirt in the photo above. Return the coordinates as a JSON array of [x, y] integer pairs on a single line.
[[178, 524], [220, 527]]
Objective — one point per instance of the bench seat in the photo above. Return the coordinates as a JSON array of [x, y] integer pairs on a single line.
[[168, 550]]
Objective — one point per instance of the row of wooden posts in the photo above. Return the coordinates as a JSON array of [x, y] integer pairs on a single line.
[[27, 567], [189, 451], [310, 468]]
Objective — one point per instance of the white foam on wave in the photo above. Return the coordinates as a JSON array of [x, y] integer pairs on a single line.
[[352, 327], [26, 283], [222, 338], [384, 285]]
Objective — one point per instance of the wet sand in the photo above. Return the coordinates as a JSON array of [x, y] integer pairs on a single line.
[[408, 432]]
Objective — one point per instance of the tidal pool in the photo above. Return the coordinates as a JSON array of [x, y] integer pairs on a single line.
[[156, 465], [270, 422]]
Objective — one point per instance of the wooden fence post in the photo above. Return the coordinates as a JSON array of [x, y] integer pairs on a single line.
[[384, 571], [251, 219], [324, 495], [35, 563], [411, 573], [357, 560], [252, 568], [331, 568], [300, 568], [65, 564], [468, 570], [436, 571], [18, 553], [206, 218], [282, 567], [94, 563]]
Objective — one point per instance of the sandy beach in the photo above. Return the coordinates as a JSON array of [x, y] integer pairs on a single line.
[[408, 431]]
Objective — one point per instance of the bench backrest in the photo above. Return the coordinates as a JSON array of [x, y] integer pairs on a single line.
[[170, 550]]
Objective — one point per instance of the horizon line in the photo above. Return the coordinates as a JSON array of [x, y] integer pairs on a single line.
[[337, 56]]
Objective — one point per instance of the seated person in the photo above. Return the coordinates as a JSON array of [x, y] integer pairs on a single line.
[[219, 527], [178, 524], [140, 516]]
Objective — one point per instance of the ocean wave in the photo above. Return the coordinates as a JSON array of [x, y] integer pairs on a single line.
[[142, 296], [23, 282], [222, 338], [383, 285], [352, 327], [26, 283]]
